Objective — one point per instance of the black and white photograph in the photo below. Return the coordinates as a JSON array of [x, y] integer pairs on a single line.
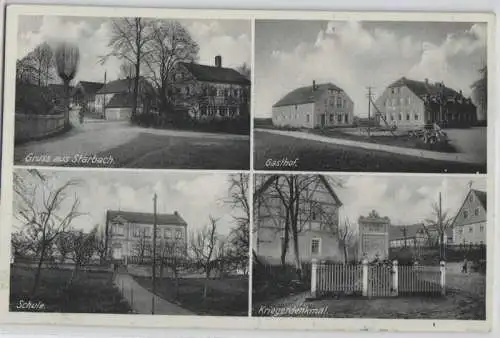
[[370, 96], [133, 92], [414, 247], [130, 243]]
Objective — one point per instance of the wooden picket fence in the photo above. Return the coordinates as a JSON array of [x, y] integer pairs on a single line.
[[376, 280]]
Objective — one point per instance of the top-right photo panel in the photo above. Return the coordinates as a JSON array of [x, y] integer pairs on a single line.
[[370, 96]]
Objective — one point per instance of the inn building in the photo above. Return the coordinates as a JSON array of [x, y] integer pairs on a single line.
[[469, 224]]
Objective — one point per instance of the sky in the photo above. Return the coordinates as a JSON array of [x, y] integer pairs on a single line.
[[354, 55], [404, 199], [194, 196], [229, 38]]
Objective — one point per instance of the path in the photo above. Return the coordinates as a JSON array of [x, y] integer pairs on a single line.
[[426, 154], [140, 299]]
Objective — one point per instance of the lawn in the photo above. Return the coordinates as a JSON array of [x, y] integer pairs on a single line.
[[91, 292], [318, 156], [226, 297], [400, 140], [161, 151]]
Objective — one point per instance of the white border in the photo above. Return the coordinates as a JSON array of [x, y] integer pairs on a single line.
[[146, 321]]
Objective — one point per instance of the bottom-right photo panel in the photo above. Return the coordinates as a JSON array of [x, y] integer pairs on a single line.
[[370, 246]]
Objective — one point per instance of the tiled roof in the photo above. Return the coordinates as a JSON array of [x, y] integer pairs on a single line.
[[90, 88], [120, 100], [215, 74], [398, 231], [305, 94], [148, 218], [421, 88], [123, 85]]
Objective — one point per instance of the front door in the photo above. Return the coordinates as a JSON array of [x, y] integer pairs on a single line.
[[323, 120]]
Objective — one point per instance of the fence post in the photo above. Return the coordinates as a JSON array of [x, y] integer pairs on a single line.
[[365, 277], [395, 278], [314, 270], [442, 268]]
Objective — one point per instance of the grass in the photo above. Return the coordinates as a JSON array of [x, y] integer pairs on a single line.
[[91, 292], [319, 156], [160, 151], [452, 306], [403, 141], [226, 297]]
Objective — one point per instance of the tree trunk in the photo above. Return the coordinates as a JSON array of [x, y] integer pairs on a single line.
[[66, 103], [136, 83], [38, 271]]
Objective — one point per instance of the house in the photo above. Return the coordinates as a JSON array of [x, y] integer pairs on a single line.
[[211, 92], [114, 101], [416, 235], [318, 222], [373, 236], [409, 104], [469, 224], [84, 94], [130, 234], [316, 106]]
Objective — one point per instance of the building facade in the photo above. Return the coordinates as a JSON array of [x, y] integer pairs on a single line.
[[409, 104], [374, 237], [317, 106], [114, 101], [208, 93], [318, 222], [469, 225], [130, 234], [84, 94]]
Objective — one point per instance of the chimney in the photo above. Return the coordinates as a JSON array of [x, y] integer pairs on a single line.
[[176, 213], [314, 85], [426, 81], [104, 78], [218, 61]]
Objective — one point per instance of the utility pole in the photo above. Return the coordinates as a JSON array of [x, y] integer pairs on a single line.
[[154, 255], [441, 230], [369, 109]]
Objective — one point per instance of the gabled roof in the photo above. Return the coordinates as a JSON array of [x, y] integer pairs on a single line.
[[120, 100], [89, 88], [421, 88], [305, 94], [215, 74], [481, 196], [121, 86], [398, 231], [147, 218]]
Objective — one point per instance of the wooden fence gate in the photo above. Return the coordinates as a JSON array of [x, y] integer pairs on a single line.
[[380, 281]]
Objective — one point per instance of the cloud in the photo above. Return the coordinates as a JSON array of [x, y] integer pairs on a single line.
[[354, 56], [92, 35]]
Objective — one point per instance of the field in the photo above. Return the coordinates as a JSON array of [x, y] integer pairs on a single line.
[[318, 156], [91, 292], [227, 296]]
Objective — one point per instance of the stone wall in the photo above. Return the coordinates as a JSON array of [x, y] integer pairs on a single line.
[[32, 127]]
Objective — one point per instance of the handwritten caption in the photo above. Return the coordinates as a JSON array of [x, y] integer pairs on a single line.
[[282, 163], [30, 305], [77, 159], [292, 310]]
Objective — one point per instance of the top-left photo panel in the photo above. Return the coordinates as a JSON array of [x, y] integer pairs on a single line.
[[132, 92]]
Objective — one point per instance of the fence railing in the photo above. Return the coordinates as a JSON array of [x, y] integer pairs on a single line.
[[376, 280]]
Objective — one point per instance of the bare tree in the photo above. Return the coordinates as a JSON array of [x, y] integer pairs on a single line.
[[171, 255], [67, 58], [63, 245], [43, 56], [346, 237], [128, 41], [439, 222], [170, 44], [82, 247], [204, 248], [245, 70], [142, 246], [42, 210], [100, 244]]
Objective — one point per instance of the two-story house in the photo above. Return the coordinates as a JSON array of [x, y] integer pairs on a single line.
[[469, 224], [317, 224], [130, 234], [208, 92], [316, 106], [409, 104]]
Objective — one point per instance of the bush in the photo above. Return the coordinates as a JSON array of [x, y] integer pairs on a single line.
[[34, 100]]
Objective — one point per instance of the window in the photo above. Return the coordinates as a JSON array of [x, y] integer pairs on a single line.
[[400, 117], [392, 117], [178, 234], [466, 214], [481, 228], [147, 232], [346, 118], [416, 117], [392, 90], [339, 102], [339, 118], [471, 198], [476, 212], [315, 246], [307, 118], [331, 118], [408, 100], [167, 233], [407, 117], [460, 231]]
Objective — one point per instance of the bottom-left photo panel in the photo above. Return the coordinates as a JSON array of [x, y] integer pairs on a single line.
[[124, 242]]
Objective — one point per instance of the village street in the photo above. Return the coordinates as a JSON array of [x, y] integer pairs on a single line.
[[312, 153], [97, 143]]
